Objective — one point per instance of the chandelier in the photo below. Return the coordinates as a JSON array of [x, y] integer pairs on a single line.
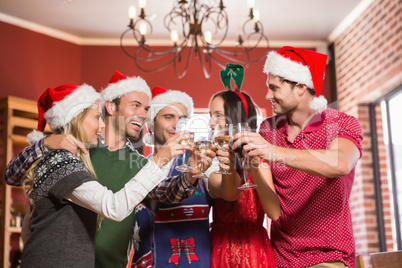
[[199, 28]]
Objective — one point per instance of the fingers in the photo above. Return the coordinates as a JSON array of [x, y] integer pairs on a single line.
[[178, 150], [224, 166], [179, 136], [223, 153], [211, 154], [65, 142], [213, 147], [241, 138], [251, 140], [81, 146], [224, 160], [75, 145]]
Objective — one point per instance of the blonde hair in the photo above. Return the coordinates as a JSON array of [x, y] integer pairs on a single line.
[[74, 128]]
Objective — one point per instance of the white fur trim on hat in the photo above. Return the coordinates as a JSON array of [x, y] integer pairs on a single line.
[[71, 106], [34, 136], [148, 140], [162, 100], [124, 86], [319, 104], [288, 69]]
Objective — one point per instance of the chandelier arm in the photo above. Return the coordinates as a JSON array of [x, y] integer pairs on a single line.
[[245, 24], [182, 74], [121, 43], [226, 55], [222, 16], [207, 73], [159, 54], [261, 36], [218, 28], [173, 14], [220, 64], [137, 59], [260, 32]]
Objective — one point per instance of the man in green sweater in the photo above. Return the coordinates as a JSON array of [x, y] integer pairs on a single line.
[[116, 161], [126, 107]]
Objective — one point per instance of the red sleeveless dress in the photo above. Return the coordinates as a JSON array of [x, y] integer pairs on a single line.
[[238, 237]]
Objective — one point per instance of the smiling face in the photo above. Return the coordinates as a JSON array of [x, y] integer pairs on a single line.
[[217, 112], [93, 123], [282, 95], [131, 113], [165, 122]]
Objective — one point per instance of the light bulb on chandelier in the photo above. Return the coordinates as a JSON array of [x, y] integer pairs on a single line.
[[196, 27]]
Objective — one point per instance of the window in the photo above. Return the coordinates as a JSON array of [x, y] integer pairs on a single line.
[[391, 110]]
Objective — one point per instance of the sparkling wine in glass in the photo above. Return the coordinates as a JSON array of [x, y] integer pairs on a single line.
[[202, 143], [241, 128], [221, 138], [183, 124]]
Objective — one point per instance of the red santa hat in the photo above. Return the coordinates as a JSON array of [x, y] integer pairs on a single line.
[[58, 106], [120, 85], [302, 66], [162, 97]]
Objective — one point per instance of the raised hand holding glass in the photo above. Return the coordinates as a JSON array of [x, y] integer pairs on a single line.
[[221, 138], [241, 128], [202, 143], [183, 124]]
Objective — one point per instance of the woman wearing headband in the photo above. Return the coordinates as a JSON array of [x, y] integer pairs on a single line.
[[238, 237]]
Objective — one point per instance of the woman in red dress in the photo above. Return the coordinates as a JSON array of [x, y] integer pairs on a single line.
[[238, 237]]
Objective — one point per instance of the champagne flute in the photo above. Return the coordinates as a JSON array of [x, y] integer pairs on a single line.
[[183, 124], [221, 138], [202, 143], [239, 128]]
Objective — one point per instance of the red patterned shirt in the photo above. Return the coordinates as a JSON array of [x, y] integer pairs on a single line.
[[315, 224]]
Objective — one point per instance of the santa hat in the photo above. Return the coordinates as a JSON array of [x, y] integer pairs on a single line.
[[162, 97], [58, 106], [120, 85], [302, 66]]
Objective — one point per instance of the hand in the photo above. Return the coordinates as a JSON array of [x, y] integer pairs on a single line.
[[226, 158], [255, 146], [66, 142], [171, 148], [196, 160]]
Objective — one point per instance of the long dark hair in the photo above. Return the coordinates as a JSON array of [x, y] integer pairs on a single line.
[[235, 110], [235, 113]]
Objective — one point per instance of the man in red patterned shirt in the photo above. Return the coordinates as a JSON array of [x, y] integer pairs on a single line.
[[312, 151]]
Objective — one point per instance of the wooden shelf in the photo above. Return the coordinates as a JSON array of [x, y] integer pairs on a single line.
[[19, 140], [19, 117], [15, 230]]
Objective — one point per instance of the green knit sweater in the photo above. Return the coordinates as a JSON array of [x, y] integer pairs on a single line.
[[114, 170]]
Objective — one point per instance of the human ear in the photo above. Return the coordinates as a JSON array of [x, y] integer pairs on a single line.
[[110, 107], [301, 89]]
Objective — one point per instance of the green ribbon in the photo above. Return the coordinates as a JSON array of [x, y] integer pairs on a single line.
[[235, 72]]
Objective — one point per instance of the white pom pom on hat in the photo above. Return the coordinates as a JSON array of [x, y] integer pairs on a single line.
[[34, 136], [302, 66]]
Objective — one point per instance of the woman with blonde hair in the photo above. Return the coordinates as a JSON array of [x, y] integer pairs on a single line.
[[64, 194]]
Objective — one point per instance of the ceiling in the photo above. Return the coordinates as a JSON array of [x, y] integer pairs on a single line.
[[96, 20]]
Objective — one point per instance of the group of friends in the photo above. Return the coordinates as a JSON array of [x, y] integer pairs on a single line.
[[96, 202]]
